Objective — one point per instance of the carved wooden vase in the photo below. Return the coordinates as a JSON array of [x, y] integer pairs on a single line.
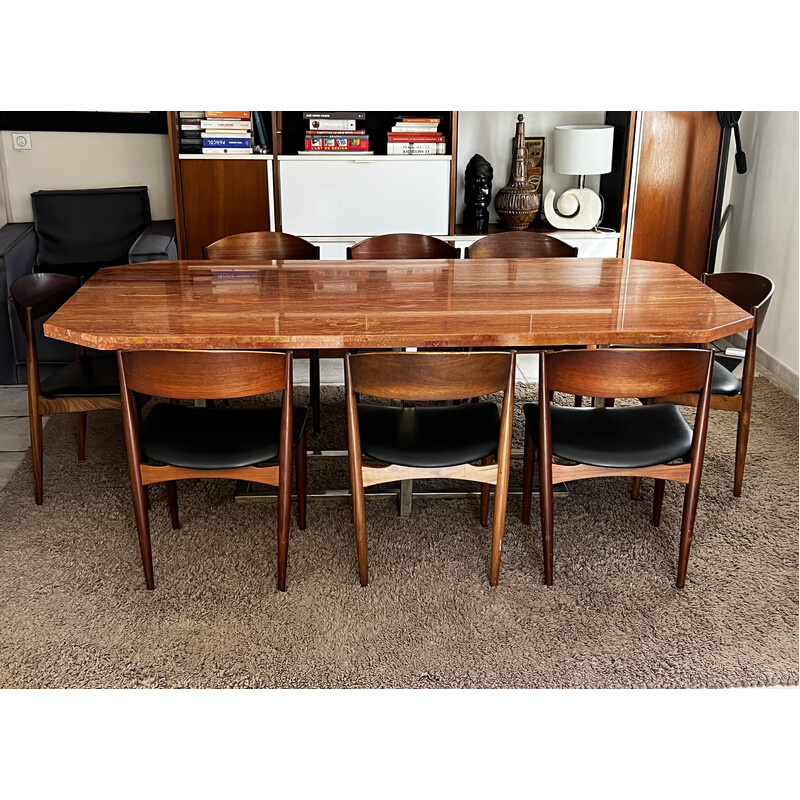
[[516, 205]]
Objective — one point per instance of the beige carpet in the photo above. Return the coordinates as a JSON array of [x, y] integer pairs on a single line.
[[74, 611]]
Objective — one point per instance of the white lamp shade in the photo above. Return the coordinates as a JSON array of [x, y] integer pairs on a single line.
[[583, 149]]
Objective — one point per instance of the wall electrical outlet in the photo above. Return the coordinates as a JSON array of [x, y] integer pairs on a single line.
[[22, 141]]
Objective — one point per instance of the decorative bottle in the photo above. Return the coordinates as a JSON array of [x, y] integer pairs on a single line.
[[516, 205]]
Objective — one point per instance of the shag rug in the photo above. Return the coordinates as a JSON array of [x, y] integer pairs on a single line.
[[74, 612]]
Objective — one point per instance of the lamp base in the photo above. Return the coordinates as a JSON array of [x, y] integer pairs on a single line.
[[577, 209]]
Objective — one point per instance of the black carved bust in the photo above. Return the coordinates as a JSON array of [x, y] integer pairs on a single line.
[[477, 194]]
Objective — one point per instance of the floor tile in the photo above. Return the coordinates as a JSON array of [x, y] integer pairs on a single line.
[[14, 434], [13, 401], [9, 463]]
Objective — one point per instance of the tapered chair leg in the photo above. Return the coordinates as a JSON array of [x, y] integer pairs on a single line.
[[546, 503], [360, 523], [687, 529], [742, 435], [172, 502], [143, 529], [37, 457], [658, 500], [80, 427], [636, 487]]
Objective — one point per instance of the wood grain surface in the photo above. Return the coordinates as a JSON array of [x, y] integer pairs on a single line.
[[403, 303]]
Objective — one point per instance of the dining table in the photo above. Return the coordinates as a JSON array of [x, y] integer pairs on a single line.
[[400, 303], [403, 303]]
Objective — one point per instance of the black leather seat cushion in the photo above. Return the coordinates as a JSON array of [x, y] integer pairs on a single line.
[[214, 438], [429, 436], [92, 375], [631, 436], [723, 381]]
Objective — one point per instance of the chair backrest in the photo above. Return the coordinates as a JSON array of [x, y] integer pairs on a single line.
[[748, 290], [88, 226], [262, 246], [625, 372], [520, 244], [204, 374], [429, 375], [41, 293], [402, 245], [37, 295]]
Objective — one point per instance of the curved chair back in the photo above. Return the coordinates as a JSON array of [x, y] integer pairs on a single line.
[[429, 375], [748, 290], [88, 383], [402, 245], [205, 374], [262, 246], [520, 244]]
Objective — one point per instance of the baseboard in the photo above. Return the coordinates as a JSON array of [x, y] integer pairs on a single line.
[[770, 367]]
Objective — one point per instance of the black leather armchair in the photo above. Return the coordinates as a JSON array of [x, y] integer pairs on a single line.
[[74, 232]]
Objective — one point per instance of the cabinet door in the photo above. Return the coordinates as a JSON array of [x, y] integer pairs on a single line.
[[340, 196], [223, 197], [677, 187]]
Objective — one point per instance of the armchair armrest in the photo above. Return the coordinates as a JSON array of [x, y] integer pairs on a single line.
[[156, 242], [17, 258]]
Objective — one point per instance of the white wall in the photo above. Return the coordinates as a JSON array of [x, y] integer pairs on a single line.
[[491, 134], [61, 160], [762, 231]]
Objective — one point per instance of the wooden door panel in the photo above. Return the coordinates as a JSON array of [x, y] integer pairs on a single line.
[[221, 198], [676, 189]]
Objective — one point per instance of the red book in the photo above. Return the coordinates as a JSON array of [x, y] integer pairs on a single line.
[[418, 119]]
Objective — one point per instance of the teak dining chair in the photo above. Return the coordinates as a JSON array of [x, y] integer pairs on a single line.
[[265, 246], [433, 441], [520, 244], [402, 245], [638, 440], [753, 293], [89, 383], [198, 442]]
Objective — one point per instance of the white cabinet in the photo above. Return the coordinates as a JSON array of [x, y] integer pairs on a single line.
[[359, 196], [590, 244]]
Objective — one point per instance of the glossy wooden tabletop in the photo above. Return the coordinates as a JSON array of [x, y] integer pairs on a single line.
[[436, 303]]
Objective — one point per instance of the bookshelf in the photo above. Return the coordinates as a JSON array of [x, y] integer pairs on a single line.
[[217, 196]]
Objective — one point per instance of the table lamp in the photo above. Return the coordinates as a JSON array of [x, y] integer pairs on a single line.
[[579, 150]]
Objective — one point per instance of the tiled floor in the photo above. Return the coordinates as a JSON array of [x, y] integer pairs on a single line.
[[15, 437]]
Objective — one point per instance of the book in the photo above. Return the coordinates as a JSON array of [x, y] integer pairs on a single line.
[[227, 141], [329, 132], [332, 124], [335, 152], [415, 136], [416, 148], [190, 134], [337, 143], [227, 114], [419, 120], [191, 114], [219, 151], [334, 115], [262, 145], [224, 123], [412, 126]]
